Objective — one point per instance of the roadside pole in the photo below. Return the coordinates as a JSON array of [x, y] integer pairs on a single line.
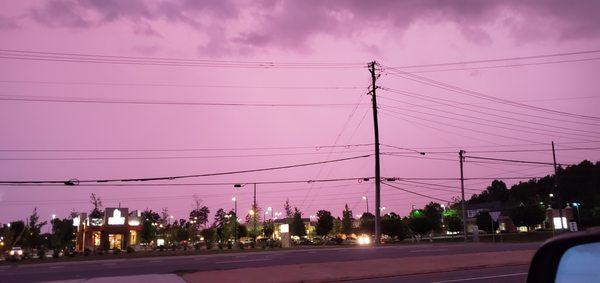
[[377, 165], [462, 192]]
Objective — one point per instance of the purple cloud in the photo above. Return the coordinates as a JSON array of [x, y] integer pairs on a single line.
[[291, 24], [8, 23]]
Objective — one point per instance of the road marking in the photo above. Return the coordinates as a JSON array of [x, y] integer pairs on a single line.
[[238, 261], [428, 250], [54, 267], [484, 277], [155, 261]]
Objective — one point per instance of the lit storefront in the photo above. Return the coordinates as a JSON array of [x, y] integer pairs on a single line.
[[116, 229]]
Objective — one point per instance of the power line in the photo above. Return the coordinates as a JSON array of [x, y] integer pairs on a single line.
[[316, 147], [337, 138], [155, 61], [500, 59], [513, 160], [89, 158], [532, 130], [157, 102], [185, 85], [506, 66], [577, 131], [459, 105], [308, 181], [456, 89], [77, 182], [426, 149], [415, 193], [455, 126]]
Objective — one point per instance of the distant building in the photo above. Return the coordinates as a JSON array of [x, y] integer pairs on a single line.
[[308, 224], [505, 224], [553, 218], [115, 229]]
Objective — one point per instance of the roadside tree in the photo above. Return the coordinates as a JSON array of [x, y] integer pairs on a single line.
[[324, 223]]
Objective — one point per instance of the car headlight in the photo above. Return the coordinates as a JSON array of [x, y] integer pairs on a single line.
[[364, 240], [20, 252], [12, 253]]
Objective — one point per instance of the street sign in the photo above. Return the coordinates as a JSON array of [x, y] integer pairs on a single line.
[[495, 215], [573, 226]]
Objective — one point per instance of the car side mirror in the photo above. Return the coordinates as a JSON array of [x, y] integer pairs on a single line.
[[572, 257]]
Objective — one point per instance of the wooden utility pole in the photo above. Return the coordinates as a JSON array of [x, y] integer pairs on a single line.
[[377, 166], [462, 192], [557, 191], [254, 208]]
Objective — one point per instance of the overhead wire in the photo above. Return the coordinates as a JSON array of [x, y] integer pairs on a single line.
[[415, 193], [541, 56], [471, 93], [164, 178]]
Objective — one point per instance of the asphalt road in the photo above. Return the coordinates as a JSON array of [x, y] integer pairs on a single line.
[[158, 265], [504, 274]]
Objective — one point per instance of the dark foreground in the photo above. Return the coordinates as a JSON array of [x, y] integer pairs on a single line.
[[159, 265]]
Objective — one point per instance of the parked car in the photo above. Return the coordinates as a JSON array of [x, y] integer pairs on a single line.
[[15, 254]]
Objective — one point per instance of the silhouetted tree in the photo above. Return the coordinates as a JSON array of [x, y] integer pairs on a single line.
[[484, 222], [433, 211], [528, 215], [324, 222], [347, 225], [420, 225], [393, 226], [268, 228], [367, 223], [297, 227]]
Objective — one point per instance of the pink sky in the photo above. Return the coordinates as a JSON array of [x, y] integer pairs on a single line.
[[394, 33]]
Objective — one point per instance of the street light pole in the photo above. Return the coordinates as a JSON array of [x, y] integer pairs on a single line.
[[366, 199]]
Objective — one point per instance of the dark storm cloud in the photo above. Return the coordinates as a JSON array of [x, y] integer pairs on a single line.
[[288, 24]]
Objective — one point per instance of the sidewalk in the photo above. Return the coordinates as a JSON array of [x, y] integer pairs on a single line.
[[352, 270], [148, 278]]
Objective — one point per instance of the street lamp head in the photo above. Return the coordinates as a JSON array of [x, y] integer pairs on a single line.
[[233, 199], [269, 208], [576, 204], [551, 195], [364, 198], [53, 216], [251, 212], [237, 185]]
